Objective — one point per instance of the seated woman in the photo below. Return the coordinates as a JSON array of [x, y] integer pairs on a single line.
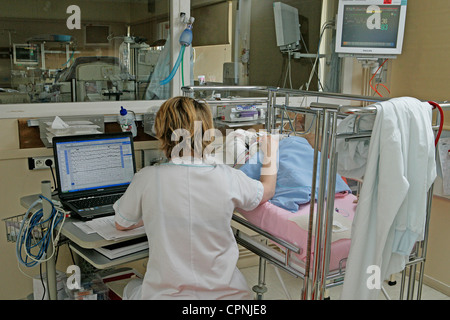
[[186, 208]]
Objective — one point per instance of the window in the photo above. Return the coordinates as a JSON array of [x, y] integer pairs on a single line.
[[107, 50], [71, 51]]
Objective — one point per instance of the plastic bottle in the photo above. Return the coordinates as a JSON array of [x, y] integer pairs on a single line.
[[126, 121]]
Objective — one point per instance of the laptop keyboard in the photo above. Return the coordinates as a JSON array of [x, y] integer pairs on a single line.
[[93, 202]]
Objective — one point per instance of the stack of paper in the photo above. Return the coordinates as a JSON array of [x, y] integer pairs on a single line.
[[124, 248], [60, 128], [106, 228]]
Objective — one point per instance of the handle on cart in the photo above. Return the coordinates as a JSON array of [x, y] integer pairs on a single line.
[[441, 125]]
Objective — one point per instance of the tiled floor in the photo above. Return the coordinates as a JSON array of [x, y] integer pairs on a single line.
[[294, 285]]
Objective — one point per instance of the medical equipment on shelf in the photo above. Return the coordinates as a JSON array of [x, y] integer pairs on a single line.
[[96, 79], [240, 112], [185, 41]]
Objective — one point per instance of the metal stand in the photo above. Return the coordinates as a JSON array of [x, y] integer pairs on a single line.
[[261, 288], [50, 264]]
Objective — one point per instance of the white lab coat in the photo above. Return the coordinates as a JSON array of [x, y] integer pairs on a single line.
[[187, 210], [391, 211]]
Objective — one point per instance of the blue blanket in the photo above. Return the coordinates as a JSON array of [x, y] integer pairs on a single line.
[[294, 179]]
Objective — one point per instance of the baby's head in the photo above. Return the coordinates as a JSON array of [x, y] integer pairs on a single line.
[[180, 118]]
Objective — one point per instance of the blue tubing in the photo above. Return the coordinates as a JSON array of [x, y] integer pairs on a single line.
[[175, 68]]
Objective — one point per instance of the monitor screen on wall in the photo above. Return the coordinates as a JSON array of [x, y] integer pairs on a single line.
[[25, 54], [370, 27], [287, 26]]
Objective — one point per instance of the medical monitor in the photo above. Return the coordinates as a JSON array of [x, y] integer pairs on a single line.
[[25, 54], [370, 27], [287, 26]]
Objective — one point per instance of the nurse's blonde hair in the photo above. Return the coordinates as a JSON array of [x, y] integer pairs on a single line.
[[181, 113]]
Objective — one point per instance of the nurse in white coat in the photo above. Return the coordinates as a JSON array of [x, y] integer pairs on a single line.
[[186, 208]]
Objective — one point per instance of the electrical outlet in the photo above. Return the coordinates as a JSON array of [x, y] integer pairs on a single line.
[[36, 163]]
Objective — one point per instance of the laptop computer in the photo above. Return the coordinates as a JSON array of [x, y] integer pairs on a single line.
[[93, 171]]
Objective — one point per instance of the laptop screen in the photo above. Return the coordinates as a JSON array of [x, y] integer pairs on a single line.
[[94, 162]]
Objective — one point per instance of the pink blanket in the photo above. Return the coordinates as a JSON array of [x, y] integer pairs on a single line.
[[291, 227]]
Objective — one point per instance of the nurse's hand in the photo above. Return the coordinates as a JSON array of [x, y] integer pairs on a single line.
[[137, 225], [268, 144], [268, 178]]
